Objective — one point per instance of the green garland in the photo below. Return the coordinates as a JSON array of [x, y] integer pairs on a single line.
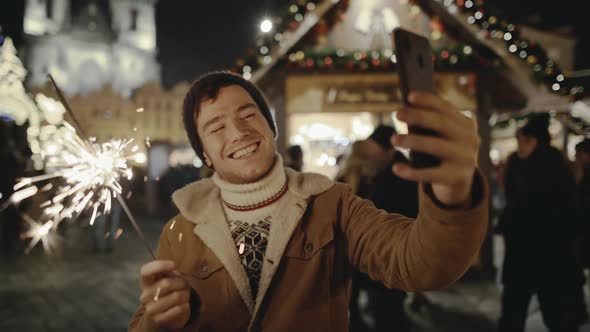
[[458, 57], [542, 66]]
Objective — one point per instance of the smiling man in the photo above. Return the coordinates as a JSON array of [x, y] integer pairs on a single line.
[[260, 247]]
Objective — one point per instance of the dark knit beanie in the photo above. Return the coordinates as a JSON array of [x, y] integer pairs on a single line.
[[537, 127], [382, 136], [207, 87]]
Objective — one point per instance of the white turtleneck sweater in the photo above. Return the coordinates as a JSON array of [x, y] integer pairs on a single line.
[[249, 209]]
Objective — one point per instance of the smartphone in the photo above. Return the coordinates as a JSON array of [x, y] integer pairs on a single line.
[[416, 73]]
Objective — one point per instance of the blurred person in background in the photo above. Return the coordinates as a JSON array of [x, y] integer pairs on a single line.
[[357, 170], [583, 181], [394, 195], [583, 175], [539, 226], [106, 226], [295, 158], [10, 223]]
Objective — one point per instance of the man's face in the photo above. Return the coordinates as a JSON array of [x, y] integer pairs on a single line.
[[235, 136], [526, 145]]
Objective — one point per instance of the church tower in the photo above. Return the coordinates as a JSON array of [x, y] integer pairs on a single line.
[[45, 16], [134, 21], [87, 44]]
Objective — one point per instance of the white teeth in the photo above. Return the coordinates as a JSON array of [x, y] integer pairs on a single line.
[[245, 151]]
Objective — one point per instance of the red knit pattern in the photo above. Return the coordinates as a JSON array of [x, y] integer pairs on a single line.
[[261, 204]]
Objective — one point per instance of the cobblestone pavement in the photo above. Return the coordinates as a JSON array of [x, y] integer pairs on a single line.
[[80, 290], [77, 289]]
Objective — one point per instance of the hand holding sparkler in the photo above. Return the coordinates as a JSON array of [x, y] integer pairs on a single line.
[[165, 294]]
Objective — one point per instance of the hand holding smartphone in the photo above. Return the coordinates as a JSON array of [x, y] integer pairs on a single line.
[[416, 73]]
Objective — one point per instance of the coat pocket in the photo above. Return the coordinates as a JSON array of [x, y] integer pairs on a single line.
[[307, 243], [204, 268]]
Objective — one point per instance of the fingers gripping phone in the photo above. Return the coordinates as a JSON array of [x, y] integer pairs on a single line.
[[416, 73]]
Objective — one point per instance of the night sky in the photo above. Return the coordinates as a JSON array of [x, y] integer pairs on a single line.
[[197, 36]]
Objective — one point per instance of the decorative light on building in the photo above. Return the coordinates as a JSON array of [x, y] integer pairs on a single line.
[[266, 25], [512, 48]]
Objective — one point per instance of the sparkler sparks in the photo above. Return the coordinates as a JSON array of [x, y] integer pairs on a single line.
[[44, 232], [88, 173]]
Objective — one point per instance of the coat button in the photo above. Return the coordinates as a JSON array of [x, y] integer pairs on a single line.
[[204, 268], [309, 247]]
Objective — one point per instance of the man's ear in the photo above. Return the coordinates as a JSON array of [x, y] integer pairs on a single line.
[[207, 160]]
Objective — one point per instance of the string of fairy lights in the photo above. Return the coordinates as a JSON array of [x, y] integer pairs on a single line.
[[275, 31], [492, 26]]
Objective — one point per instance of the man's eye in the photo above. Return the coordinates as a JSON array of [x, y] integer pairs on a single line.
[[249, 116], [217, 129]]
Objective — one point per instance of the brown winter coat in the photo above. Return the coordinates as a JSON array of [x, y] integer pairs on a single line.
[[320, 235]]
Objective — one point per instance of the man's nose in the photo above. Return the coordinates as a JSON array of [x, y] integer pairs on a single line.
[[236, 130]]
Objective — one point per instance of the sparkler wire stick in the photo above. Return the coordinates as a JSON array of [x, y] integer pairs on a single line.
[[67, 107], [135, 225], [86, 140]]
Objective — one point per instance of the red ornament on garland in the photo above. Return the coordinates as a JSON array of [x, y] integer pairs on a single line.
[[309, 63], [328, 61]]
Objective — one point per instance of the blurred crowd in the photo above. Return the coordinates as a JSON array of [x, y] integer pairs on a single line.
[[541, 202]]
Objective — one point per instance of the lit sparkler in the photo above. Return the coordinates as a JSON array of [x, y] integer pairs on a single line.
[[89, 174]]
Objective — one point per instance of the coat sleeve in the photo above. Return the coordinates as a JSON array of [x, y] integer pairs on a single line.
[[138, 322], [430, 252]]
